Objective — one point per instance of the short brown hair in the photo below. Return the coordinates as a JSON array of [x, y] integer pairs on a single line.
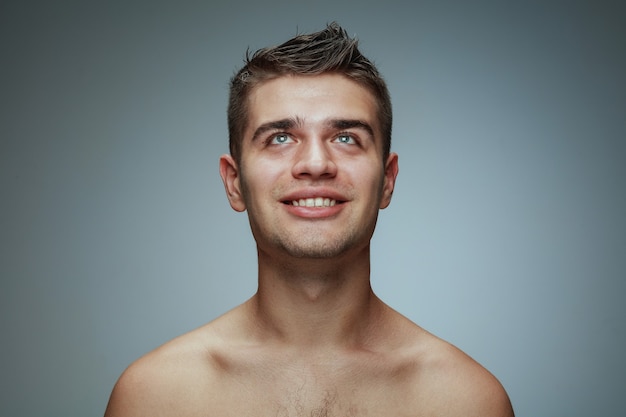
[[329, 50]]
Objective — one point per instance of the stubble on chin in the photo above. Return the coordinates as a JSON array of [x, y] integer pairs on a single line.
[[317, 242], [313, 248]]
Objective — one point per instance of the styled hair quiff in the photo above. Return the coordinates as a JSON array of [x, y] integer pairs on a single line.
[[328, 51]]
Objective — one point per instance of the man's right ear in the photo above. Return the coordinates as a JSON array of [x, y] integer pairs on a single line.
[[229, 171]]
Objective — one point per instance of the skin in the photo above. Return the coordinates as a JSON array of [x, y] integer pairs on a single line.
[[314, 340]]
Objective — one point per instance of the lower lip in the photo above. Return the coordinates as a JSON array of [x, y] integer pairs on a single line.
[[314, 212]]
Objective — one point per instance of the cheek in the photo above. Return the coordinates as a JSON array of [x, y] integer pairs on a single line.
[[259, 179], [256, 163], [369, 174]]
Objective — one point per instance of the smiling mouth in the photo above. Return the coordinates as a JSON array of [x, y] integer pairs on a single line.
[[313, 202]]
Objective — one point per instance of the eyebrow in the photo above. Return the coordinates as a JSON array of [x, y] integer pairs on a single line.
[[342, 124], [290, 123], [283, 124]]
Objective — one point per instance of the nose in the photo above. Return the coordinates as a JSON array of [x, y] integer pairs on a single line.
[[314, 160]]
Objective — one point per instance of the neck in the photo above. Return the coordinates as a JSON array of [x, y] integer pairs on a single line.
[[315, 302]]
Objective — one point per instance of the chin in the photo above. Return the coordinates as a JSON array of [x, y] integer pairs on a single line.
[[317, 248]]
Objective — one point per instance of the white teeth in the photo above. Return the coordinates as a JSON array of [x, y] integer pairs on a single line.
[[314, 202]]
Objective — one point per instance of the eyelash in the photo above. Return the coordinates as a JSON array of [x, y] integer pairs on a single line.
[[270, 140], [347, 135]]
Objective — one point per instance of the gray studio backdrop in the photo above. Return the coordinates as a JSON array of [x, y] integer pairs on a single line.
[[506, 235]]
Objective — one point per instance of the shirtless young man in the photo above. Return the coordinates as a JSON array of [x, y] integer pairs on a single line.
[[310, 130]]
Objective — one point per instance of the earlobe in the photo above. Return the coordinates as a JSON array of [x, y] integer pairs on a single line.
[[229, 171], [391, 172]]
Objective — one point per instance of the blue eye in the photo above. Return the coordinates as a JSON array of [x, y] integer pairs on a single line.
[[279, 139], [345, 139]]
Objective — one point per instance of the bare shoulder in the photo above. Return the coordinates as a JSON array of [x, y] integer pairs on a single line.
[[448, 379], [148, 384], [476, 391], [172, 377]]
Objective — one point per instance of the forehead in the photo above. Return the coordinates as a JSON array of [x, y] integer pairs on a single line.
[[311, 98]]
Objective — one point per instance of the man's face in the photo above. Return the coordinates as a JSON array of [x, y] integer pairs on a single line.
[[311, 175]]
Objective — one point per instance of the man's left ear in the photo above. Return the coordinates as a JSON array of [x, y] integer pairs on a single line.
[[391, 172]]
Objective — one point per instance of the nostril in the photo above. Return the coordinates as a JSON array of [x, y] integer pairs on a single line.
[[315, 167]]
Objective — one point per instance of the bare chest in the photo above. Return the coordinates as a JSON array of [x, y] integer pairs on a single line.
[[306, 395]]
